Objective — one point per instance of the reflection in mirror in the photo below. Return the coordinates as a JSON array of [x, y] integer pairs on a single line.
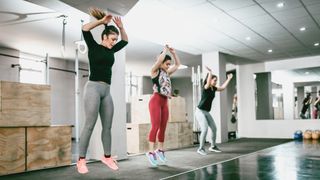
[[288, 94], [307, 100], [269, 96]]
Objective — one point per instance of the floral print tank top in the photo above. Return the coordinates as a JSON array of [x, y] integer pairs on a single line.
[[162, 83]]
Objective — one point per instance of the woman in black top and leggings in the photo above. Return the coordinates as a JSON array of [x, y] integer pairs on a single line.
[[203, 115], [97, 97]]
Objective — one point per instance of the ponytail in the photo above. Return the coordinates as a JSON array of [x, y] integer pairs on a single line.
[[99, 14]]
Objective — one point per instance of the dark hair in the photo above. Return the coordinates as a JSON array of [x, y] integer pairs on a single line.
[[308, 95], [99, 14], [166, 58], [205, 80], [109, 29]]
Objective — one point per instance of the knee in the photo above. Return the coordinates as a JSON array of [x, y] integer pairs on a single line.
[[154, 129], [204, 130]]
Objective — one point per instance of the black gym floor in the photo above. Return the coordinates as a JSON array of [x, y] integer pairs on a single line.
[[244, 158]]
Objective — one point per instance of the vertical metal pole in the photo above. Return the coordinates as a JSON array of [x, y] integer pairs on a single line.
[[198, 92], [77, 94], [130, 85], [194, 104], [47, 69]]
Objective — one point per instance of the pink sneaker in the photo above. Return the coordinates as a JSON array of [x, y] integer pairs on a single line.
[[110, 162], [82, 167]]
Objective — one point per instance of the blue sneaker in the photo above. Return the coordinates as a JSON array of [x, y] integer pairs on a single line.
[[152, 158], [160, 155]]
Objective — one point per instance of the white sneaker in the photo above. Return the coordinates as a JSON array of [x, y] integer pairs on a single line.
[[202, 152]]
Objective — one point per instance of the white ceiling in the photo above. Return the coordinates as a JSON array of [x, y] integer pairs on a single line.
[[193, 27]]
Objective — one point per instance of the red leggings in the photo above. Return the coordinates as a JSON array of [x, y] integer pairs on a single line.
[[159, 113]]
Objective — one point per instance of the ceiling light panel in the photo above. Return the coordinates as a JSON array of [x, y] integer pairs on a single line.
[[258, 20], [232, 4], [242, 13], [271, 6], [201, 12], [290, 14], [182, 4], [314, 8], [270, 30], [296, 24]]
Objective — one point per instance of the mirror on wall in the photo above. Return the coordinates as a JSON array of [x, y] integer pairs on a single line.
[[269, 96], [288, 94], [307, 100]]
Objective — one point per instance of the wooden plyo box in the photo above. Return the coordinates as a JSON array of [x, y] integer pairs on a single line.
[[24, 104], [140, 109], [178, 135], [48, 147], [177, 109], [29, 148], [12, 150]]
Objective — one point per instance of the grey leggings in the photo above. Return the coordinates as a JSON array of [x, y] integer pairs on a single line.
[[97, 99], [205, 120]]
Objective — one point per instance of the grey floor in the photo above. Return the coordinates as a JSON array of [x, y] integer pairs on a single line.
[[298, 160], [137, 167]]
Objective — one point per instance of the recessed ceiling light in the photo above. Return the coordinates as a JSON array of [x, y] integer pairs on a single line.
[[302, 28], [269, 50], [306, 73], [280, 5], [316, 44], [248, 38]]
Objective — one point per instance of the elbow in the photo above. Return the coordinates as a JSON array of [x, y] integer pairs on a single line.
[[85, 28]]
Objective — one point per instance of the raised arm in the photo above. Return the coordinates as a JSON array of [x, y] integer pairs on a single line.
[[209, 78], [176, 61], [119, 24], [101, 17], [316, 101], [225, 84], [157, 64]]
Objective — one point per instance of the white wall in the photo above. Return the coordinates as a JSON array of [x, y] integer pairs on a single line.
[[63, 92], [184, 85], [7, 73], [248, 126]]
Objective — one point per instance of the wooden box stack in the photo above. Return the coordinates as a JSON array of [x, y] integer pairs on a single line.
[[48, 147], [12, 150], [178, 135], [27, 141], [177, 109], [24, 104]]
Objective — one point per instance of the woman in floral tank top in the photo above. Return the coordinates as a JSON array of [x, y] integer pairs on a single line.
[[158, 104]]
